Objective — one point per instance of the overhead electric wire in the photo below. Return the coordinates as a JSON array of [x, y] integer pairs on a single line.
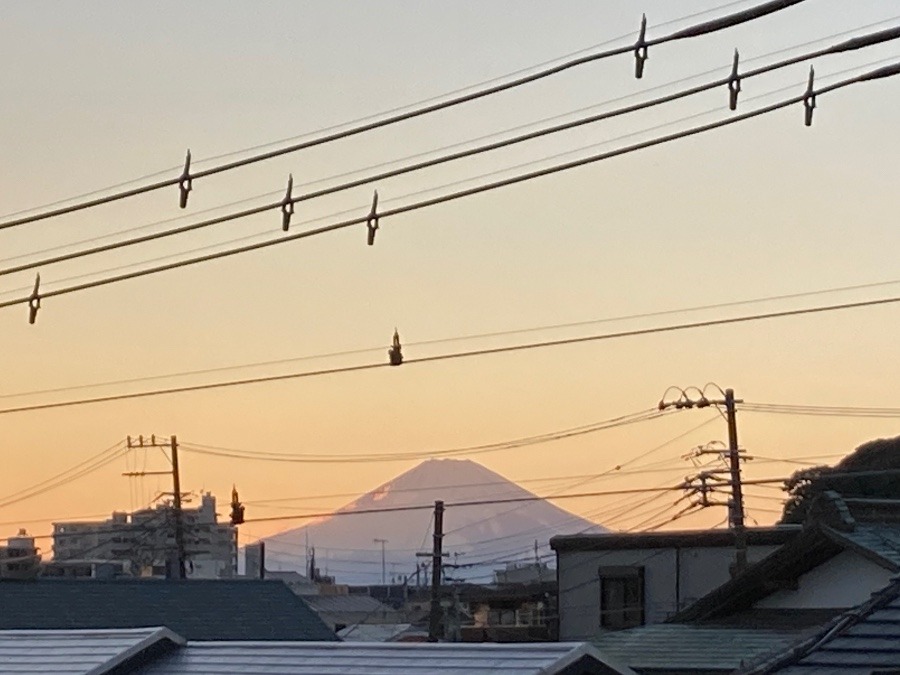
[[703, 28], [506, 170], [848, 45], [463, 338], [532, 498], [355, 172], [366, 118], [433, 488], [457, 355], [884, 72], [376, 457], [382, 113], [431, 99], [83, 468], [644, 527], [821, 410]]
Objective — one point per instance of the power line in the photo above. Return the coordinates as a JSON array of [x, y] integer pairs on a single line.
[[821, 410], [381, 165], [382, 113], [83, 468], [414, 104], [848, 45], [806, 98], [345, 212], [185, 179], [531, 498], [463, 338], [390, 457], [457, 355]]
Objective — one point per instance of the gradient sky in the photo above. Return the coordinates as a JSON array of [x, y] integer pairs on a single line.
[[96, 93]]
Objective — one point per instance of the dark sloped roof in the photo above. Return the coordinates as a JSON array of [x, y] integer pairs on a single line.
[[841, 527], [864, 640], [777, 570], [691, 648], [881, 540], [214, 609], [346, 603]]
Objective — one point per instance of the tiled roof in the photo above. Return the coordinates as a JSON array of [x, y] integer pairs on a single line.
[[346, 603], [690, 648], [378, 632], [880, 539], [214, 609], [817, 543], [348, 658], [77, 652], [863, 641]]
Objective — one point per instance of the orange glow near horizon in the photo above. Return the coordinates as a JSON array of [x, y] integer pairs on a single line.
[[765, 208]]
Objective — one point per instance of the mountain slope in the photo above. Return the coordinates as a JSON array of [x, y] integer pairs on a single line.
[[480, 536]]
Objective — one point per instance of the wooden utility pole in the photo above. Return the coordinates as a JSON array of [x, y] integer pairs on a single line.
[[141, 442], [737, 492], [434, 620], [736, 503], [262, 559], [179, 515]]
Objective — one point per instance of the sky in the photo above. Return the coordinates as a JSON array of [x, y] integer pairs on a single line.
[[99, 93]]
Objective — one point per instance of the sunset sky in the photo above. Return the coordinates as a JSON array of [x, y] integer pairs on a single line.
[[99, 93]]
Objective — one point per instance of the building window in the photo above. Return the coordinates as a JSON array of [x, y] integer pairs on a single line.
[[621, 597]]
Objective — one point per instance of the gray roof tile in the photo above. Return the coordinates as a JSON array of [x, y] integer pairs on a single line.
[[310, 658], [75, 652], [880, 539], [860, 641], [687, 646]]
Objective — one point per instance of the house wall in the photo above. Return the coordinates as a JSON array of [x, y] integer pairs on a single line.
[[700, 571], [845, 581]]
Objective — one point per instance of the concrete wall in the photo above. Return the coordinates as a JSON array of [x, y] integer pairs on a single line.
[[845, 581], [665, 592]]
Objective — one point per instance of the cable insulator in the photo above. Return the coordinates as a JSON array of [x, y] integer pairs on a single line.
[[34, 300], [287, 204], [372, 220], [185, 183]]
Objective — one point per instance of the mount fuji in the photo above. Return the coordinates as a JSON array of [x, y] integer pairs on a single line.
[[479, 538]]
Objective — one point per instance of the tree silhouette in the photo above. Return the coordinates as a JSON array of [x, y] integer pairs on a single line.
[[881, 454]]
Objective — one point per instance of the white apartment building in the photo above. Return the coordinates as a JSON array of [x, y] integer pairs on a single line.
[[146, 540]]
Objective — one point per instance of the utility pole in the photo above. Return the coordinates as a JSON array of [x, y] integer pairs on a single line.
[[737, 492], [262, 559], [179, 515], [735, 456], [383, 568], [141, 442], [434, 621]]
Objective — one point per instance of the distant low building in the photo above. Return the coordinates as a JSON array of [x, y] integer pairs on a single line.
[[146, 541], [20, 558], [502, 612], [524, 573], [84, 569], [340, 611]]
